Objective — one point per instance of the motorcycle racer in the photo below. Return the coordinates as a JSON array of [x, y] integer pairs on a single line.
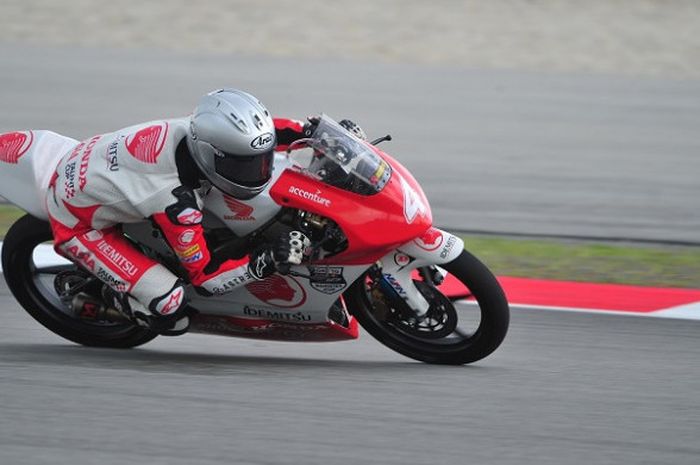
[[161, 170]]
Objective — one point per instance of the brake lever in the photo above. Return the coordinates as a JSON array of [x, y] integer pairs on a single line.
[[381, 139]]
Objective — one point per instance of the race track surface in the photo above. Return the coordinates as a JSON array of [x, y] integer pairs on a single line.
[[501, 151], [563, 389]]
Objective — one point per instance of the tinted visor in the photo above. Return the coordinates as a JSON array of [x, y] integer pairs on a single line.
[[245, 170]]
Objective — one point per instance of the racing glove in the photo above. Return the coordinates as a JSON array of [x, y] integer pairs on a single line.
[[353, 128], [288, 250]]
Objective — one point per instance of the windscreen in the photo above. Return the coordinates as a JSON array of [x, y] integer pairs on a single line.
[[342, 160]]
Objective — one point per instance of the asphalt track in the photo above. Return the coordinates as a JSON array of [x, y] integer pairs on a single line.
[[503, 151], [563, 389]]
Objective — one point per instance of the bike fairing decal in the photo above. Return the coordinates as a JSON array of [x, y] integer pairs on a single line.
[[15, 144], [412, 203], [314, 197], [278, 291], [451, 241], [431, 240], [277, 315], [327, 279]]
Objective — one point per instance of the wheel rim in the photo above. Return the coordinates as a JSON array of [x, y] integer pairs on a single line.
[[446, 326]]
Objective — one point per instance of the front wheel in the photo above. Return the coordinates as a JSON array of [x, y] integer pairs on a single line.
[[451, 333]]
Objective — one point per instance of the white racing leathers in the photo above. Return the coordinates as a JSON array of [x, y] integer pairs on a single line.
[[124, 177]]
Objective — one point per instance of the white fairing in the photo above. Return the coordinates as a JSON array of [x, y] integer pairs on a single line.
[[435, 247], [29, 159], [245, 216], [302, 297]]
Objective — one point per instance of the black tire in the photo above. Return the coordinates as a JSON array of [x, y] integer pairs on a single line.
[[492, 326], [21, 276]]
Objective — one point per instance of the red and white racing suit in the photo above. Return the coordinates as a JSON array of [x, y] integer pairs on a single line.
[[127, 176]]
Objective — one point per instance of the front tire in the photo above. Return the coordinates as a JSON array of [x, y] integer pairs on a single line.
[[457, 348], [30, 285]]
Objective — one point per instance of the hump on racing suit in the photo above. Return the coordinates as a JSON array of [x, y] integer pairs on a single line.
[[28, 160]]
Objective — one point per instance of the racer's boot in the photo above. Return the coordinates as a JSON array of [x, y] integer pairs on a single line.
[[120, 307], [167, 314]]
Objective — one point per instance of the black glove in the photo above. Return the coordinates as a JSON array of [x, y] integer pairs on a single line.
[[354, 129], [311, 125], [288, 250]]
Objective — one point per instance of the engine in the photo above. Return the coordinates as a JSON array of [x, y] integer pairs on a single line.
[[326, 237]]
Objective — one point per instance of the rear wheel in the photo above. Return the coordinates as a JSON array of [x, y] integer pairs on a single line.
[[452, 333], [35, 285]]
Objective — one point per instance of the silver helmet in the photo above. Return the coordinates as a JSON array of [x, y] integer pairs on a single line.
[[232, 138]]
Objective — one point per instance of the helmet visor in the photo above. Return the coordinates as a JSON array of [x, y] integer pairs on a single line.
[[245, 170]]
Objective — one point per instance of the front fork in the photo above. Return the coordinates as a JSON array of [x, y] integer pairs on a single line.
[[435, 247]]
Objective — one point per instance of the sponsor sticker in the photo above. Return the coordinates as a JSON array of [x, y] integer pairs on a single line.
[[146, 144], [401, 259], [241, 211], [185, 238], [272, 314], [171, 303], [14, 144], [188, 252], [69, 180], [279, 291], [327, 279], [117, 259], [430, 240], [314, 197], [93, 235], [451, 241], [263, 141], [84, 161], [111, 156], [189, 216], [193, 259]]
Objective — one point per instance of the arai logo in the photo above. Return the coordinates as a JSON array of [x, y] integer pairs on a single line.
[[262, 141]]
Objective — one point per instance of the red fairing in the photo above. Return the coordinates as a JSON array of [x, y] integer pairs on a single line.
[[374, 224], [274, 330], [190, 246]]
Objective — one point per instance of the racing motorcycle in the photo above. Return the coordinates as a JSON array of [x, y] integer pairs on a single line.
[[375, 259]]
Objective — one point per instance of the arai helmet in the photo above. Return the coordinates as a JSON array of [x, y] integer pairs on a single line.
[[232, 138]]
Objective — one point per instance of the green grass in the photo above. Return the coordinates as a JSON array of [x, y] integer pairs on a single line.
[[656, 265], [644, 265], [8, 215]]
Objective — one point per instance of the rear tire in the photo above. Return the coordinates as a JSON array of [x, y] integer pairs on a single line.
[[459, 349], [21, 274]]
